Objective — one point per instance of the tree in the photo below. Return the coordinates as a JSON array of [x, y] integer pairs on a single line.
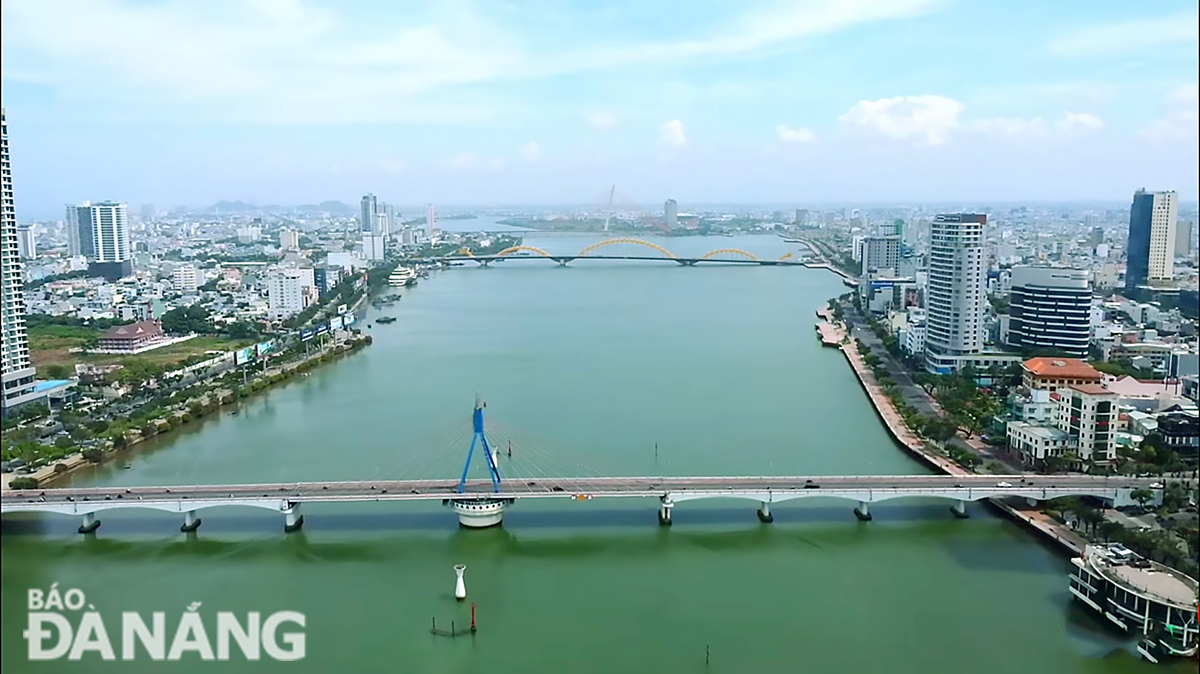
[[1142, 495], [187, 320]]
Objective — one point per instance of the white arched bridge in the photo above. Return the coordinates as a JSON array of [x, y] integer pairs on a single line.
[[653, 252], [287, 498]]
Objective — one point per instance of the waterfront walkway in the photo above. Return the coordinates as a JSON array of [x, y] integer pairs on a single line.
[[1022, 512]]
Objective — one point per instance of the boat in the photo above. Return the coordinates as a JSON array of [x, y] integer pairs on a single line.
[[403, 276], [1142, 597], [385, 319]]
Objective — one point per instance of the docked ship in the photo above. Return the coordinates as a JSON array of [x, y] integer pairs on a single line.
[[403, 276], [1141, 597]]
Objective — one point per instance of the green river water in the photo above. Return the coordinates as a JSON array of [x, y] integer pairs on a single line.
[[585, 369]]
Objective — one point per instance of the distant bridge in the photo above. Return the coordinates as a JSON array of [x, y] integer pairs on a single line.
[[721, 255], [286, 498]]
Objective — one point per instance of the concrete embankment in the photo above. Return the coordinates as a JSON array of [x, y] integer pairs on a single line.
[[1035, 520]]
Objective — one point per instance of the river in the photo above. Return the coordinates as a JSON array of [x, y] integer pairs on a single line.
[[586, 369]]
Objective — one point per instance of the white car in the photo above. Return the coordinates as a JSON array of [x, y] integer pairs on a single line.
[[1156, 485], [1003, 484]]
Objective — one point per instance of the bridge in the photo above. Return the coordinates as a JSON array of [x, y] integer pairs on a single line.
[[476, 495], [481, 503], [721, 255]]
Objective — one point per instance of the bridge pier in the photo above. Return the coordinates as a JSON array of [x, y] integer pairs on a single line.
[[764, 513], [562, 261], [959, 509], [664, 512], [293, 520], [90, 524], [190, 522], [862, 512]]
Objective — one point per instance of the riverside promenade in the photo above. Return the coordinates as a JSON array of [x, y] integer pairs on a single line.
[[1032, 517]]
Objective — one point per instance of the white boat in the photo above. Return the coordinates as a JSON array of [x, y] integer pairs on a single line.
[[402, 276]]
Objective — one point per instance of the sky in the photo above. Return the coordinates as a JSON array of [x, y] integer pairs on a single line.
[[555, 101]]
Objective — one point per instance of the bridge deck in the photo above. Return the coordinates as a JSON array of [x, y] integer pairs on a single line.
[[767, 489]]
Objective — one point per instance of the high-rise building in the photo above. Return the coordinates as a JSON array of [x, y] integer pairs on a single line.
[[1097, 237], [431, 221], [879, 253], [1151, 247], [26, 242], [100, 232], [148, 212], [373, 247], [802, 217], [289, 239], [366, 220], [1050, 309], [17, 375], [954, 293], [290, 291], [671, 213], [1183, 239]]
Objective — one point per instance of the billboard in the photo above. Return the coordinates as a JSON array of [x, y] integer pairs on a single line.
[[306, 335], [349, 319], [243, 356], [335, 323], [322, 329], [264, 348], [341, 308]]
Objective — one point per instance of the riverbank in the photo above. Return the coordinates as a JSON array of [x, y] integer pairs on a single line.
[[885, 408], [191, 410]]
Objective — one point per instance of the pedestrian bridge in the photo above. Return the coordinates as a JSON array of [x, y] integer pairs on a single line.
[[287, 498], [653, 252]]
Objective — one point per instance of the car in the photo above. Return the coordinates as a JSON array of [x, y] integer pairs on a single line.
[[811, 485], [1003, 484], [1156, 485]]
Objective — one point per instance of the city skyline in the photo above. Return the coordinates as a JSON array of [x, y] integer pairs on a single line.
[[297, 102]]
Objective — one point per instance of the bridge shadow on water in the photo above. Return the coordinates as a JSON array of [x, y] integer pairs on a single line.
[[982, 543]]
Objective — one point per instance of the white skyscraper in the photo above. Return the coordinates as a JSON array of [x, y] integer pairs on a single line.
[[374, 247], [290, 291], [430, 221], [17, 375], [671, 213], [954, 297], [27, 242], [101, 233]]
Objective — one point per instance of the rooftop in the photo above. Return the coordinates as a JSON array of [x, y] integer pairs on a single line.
[[1091, 389], [1143, 576], [1072, 368]]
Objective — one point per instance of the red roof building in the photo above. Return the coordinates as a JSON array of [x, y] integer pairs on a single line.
[[1054, 373], [130, 338]]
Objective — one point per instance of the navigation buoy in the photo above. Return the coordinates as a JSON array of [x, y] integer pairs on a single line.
[[460, 587]]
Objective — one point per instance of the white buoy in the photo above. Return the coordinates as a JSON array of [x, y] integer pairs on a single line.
[[460, 587]]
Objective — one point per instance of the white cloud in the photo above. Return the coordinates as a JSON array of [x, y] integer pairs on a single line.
[[1180, 120], [1134, 36], [790, 135], [601, 120], [672, 134], [1080, 121], [284, 61], [929, 119], [1070, 122], [532, 151]]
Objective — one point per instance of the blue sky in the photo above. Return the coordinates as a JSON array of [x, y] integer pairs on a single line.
[[550, 101]]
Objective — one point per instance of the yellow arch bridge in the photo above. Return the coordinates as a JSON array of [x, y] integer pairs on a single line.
[[595, 251]]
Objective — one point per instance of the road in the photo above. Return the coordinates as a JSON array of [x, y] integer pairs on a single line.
[[564, 487]]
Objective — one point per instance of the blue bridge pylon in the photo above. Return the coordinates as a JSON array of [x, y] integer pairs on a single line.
[[481, 439]]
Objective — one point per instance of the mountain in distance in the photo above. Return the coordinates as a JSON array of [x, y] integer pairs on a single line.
[[334, 207], [229, 207]]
